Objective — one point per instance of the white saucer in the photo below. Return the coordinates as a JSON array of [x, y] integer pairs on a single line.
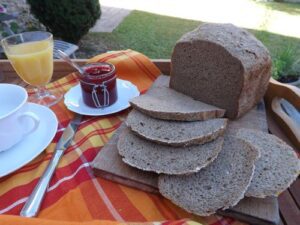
[[126, 91], [33, 144]]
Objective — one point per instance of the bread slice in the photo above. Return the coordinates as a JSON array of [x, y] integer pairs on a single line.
[[149, 156], [161, 81], [165, 103], [277, 167], [175, 133], [220, 185]]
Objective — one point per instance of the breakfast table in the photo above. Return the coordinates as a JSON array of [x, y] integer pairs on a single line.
[[75, 194]]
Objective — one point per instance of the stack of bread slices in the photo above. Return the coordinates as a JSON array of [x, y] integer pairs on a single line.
[[177, 128], [203, 167]]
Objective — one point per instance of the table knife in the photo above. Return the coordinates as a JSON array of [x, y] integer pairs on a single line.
[[291, 111], [32, 205]]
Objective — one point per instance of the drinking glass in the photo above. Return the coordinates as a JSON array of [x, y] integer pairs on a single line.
[[31, 55]]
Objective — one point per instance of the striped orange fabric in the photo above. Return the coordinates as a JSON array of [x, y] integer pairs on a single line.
[[14, 220], [75, 194]]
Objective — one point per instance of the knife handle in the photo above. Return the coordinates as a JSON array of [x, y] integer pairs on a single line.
[[32, 205]]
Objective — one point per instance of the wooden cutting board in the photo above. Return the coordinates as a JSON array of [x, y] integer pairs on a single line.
[[109, 165]]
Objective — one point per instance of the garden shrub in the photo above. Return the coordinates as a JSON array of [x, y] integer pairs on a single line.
[[66, 19], [285, 63]]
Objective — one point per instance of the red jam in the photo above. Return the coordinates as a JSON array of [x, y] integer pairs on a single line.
[[98, 85]]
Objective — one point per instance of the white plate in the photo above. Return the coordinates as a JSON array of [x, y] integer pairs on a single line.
[[33, 144], [126, 91]]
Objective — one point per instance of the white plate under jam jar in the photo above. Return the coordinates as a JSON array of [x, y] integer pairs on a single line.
[[126, 91]]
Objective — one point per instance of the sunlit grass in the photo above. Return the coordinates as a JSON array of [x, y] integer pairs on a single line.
[[151, 34], [281, 18], [289, 8], [155, 36]]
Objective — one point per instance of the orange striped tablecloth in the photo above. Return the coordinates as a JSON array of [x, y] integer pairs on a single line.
[[75, 194]]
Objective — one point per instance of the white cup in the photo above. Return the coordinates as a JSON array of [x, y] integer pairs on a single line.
[[15, 120]]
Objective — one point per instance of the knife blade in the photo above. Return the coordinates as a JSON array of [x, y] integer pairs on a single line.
[[290, 110], [32, 205]]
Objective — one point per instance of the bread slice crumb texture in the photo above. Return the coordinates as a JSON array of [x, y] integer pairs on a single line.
[[175, 133], [149, 156], [220, 185], [277, 167], [165, 103]]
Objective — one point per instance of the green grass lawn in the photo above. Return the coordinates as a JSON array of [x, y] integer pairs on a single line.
[[151, 34], [290, 8], [155, 35]]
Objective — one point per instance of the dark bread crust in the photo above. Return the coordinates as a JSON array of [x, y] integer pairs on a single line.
[[254, 91], [221, 65]]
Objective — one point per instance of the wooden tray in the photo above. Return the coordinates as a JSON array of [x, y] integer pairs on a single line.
[[108, 164], [278, 124]]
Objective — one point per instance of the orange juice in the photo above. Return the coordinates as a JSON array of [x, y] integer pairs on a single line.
[[33, 61]]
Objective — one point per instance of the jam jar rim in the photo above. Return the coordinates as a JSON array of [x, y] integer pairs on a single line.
[[101, 76]]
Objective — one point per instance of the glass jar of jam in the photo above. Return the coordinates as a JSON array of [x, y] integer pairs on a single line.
[[98, 84]]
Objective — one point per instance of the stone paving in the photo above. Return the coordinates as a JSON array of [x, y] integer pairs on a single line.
[[111, 17], [24, 20]]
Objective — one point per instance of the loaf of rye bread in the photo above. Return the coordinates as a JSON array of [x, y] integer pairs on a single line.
[[221, 65]]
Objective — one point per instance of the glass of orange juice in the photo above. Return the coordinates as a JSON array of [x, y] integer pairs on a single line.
[[31, 55]]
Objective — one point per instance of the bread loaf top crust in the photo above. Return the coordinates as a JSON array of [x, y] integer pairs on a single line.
[[238, 42]]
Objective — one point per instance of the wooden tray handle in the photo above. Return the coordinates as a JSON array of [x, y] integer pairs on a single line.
[[286, 91], [277, 91]]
